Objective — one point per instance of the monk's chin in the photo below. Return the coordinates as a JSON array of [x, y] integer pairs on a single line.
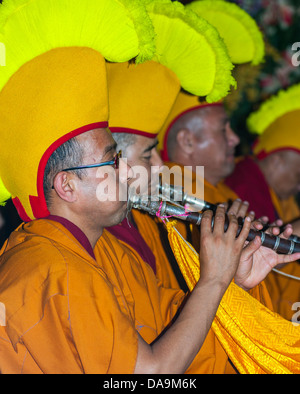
[[119, 217]]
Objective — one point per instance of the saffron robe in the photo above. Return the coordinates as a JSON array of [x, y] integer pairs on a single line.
[[211, 357], [215, 195], [67, 312], [146, 236], [250, 184]]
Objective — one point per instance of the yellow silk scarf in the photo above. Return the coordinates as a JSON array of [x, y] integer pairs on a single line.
[[257, 340]]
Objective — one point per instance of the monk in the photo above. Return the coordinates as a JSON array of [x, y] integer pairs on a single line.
[[69, 307], [142, 234], [197, 136], [68, 294], [270, 178], [134, 128]]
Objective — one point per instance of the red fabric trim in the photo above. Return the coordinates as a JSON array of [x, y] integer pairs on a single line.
[[21, 211], [132, 131], [75, 231], [249, 183], [164, 152], [38, 204], [131, 236]]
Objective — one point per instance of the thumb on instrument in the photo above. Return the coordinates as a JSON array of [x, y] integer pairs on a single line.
[[251, 248]]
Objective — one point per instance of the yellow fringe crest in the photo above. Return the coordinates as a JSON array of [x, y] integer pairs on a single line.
[[213, 78], [47, 24], [239, 30], [285, 101]]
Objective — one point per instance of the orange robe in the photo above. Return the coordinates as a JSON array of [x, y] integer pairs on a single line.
[[285, 291], [153, 232], [69, 313], [211, 358], [219, 193], [249, 183], [62, 315], [214, 195]]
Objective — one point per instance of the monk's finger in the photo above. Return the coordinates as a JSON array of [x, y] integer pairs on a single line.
[[206, 223], [235, 207], [239, 208], [219, 220], [245, 231]]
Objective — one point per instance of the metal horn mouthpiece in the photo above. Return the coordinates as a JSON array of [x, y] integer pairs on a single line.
[[165, 209], [177, 194]]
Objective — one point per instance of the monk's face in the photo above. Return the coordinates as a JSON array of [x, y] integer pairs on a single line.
[[142, 154], [214, 144], [283, 173], [101, 188]]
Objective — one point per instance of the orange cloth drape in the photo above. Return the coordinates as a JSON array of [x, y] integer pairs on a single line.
[[249, 183]]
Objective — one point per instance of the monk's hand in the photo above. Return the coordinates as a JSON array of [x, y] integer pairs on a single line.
[[220, 251], [240, 208], [257, 261]]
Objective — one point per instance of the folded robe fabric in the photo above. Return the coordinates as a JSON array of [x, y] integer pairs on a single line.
[[256, 339]]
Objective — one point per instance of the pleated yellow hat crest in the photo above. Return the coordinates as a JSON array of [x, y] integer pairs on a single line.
[[192, 48], [244, 43], [189, 53], [238, 29], [54, 84], [276, 123]]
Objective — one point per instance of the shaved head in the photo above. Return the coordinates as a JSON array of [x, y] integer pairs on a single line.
[[203, 137]]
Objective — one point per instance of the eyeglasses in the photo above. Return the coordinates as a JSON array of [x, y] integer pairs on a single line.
[[114, 162]]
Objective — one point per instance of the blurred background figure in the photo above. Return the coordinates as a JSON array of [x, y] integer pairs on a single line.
[[270, 180], [9, 220], [201, 134]]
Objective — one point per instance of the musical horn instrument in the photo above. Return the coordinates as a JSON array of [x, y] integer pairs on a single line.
[[165, 209]]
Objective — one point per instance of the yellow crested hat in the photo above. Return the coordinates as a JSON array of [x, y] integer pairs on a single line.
[[238, 29], [140, 97], [244, 43], [189, 54], [54, 84], [276, 123]]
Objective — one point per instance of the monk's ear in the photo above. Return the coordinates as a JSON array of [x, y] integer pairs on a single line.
[[185, 140], [65, 186]]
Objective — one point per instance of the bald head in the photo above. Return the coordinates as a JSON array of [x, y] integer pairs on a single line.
[[203, 137], [193, 122]]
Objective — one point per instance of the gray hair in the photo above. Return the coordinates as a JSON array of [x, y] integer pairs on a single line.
[[124, 140], [69, 154]]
